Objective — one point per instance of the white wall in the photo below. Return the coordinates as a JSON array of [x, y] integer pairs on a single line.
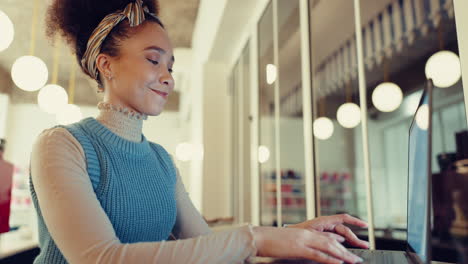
[[210, 15], [461, 18], [217, 191], [195, 126], [206, 28], [216, 33]]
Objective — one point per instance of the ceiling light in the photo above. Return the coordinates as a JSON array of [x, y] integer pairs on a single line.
[[8, 31], [263, 154], [349, 115], [271, 73], [52, 99], [387, 97], [323, 128], [443, 68], [29, 73], [422, 117]]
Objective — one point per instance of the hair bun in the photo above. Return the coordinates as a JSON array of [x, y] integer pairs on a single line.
[[75, 20]]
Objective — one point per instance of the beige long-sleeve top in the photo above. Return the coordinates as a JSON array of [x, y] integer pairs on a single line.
[[83, 232]]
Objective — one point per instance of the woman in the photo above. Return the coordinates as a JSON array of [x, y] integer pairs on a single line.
[[104, 194]]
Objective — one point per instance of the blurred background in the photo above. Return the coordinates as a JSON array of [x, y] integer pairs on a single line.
[[266, 115]]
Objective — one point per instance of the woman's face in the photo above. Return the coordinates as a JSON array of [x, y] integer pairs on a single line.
[[141, 76]]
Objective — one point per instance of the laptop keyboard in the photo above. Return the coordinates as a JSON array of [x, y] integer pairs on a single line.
[[380, 256], [376, 256]]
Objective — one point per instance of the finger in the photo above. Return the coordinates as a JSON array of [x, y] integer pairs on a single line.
[[316, 255], [331, 247], [353, 221], [348, 254], [334, 236], [336, 250], [351, 237]]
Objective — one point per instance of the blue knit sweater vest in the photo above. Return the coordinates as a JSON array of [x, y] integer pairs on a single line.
[[134, 183]]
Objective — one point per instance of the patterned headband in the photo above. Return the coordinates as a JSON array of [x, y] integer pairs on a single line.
[[135, 12]]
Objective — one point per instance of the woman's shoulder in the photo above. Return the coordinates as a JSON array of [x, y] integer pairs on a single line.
[[56, 133], [161, 148], [156, 146], [58, 138]]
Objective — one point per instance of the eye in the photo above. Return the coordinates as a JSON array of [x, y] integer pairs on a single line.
[[170, 70], [153, 62]]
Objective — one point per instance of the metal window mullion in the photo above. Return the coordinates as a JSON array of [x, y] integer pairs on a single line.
[[307, 109], [254, 130], [365, 136], [279, 219], [240, 145], [233, 143]]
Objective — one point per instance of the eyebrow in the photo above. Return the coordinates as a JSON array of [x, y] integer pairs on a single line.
[[160, 50]]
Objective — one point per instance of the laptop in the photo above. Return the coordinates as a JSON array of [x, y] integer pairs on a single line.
[[419, 196]]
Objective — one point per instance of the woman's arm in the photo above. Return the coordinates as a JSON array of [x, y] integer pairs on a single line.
[[83, 232]]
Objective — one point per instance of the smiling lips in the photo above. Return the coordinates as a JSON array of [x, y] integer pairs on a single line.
[[163, 94]]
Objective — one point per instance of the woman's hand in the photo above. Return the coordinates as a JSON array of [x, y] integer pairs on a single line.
[[335, 224], [301, 243]]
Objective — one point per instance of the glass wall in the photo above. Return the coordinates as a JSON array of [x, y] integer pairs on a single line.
[[400, 38], [239, 85], [281, 76], [266, 150], [336, 116], [291, 121]]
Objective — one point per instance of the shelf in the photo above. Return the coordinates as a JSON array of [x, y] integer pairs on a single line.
[[286, 194], [287, 209], [286, 181]]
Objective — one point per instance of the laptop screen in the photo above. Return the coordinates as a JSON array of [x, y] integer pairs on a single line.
[[418, 182]]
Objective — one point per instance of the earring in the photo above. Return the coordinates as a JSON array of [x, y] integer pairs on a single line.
[[109, 77], [100, 88]]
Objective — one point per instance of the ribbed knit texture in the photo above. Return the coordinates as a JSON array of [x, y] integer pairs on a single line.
[[135, 187]]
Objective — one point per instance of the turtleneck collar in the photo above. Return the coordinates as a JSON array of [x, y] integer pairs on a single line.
[[121, 121]]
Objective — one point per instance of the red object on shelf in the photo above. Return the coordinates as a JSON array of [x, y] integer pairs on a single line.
[[346, 176], [272, 201], [335, 177], [6, 179], [287, 201], [324, 176], [286, 188]]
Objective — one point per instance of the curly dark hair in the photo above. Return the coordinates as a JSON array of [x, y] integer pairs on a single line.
[[75, 21], [2, 144]]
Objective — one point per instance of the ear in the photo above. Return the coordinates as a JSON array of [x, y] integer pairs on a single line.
[[104, 65]]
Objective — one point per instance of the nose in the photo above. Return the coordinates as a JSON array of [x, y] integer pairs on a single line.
[[167, 79]]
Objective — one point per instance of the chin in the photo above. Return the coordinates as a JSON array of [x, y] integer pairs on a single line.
[[154, 112]]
